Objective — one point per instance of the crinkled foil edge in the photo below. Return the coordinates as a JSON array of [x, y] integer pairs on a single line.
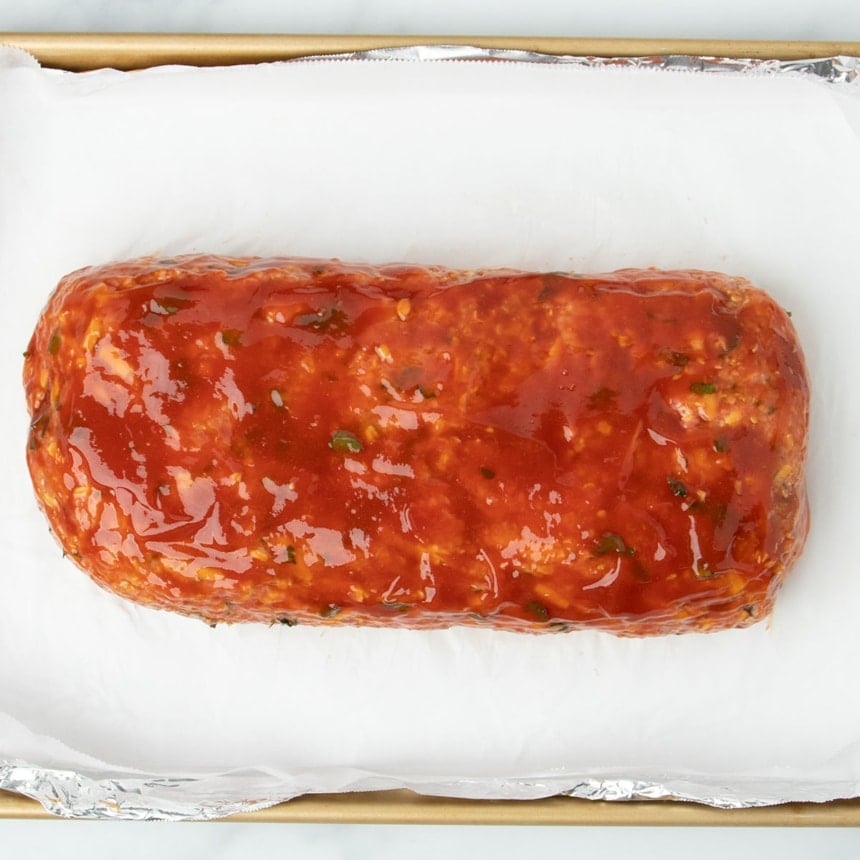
[[72, 794], [833, 70]]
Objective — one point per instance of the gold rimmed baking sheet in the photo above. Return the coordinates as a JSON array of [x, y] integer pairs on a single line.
[[406, 807], [85, 51]]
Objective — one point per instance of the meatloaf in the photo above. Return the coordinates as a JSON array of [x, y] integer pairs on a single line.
[[306, 441]]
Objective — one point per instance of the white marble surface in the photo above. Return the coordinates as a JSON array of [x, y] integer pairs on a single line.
[[754, 19], [775, 19], [224, 841]]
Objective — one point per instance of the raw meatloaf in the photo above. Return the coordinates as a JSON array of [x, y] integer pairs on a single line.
[[304, 441]]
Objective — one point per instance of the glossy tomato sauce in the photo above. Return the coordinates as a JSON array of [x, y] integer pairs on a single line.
[[307, 441]]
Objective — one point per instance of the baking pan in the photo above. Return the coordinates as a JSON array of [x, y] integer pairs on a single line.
[[85, 51], [81, 51]]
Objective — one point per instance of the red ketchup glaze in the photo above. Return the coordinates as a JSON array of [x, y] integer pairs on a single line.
[[307, 441]]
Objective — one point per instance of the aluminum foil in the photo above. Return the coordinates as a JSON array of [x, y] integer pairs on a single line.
[[834, 70], [93, 796], [76, 795]]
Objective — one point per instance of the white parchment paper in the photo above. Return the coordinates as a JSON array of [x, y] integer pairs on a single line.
[[460, 164]]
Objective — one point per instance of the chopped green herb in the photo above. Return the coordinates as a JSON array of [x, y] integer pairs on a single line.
[[394, 605], [231, 337], [538, 610], [602, 398], [611, 542], [717, 511], [721, 444], [675, 358], [487, 473], [345, 442], [732, 343], [54, 343], [291, 554], [331, 318], [677, 487], [703, 388], [640, 572], [39, 421]]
